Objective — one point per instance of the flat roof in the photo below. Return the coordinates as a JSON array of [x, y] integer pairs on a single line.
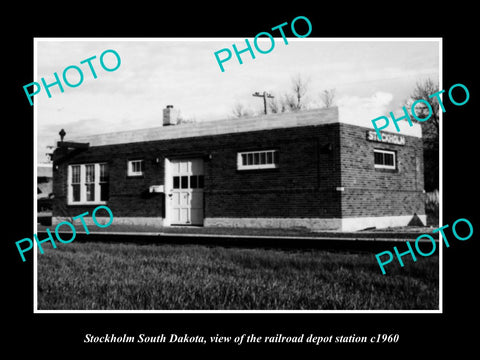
[[228, 126]]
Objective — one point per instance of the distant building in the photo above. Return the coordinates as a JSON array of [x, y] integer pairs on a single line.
[[300, 169], [44, 193], [44, 181]]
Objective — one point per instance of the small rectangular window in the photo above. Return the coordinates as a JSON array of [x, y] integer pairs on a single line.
[[184, 182], [267, 159], [135, 167], [384, 159], [176, 182], [193, 181]]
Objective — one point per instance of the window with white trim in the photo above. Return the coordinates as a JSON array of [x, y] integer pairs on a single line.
[[103, 181], [135, 168], [88, 183], [265, 159], [384, 159], [75, 183]]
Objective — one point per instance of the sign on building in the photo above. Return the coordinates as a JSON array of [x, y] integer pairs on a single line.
[[386, 138]]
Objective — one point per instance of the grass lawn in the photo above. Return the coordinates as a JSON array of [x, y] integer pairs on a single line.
[[106, 276]]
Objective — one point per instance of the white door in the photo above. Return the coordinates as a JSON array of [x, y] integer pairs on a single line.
[[185, 193]]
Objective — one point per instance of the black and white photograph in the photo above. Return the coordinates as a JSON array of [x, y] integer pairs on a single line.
[[270, 173]]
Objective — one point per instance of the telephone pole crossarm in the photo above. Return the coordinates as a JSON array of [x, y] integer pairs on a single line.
[[265, 95]]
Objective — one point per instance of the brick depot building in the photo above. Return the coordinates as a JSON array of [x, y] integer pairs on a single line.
[[300, 169]]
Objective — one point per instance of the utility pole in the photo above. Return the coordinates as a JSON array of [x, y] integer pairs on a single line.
[[264, 95]]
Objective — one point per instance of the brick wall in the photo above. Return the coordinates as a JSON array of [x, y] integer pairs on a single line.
[[302, 186], [313, 162], [380, 192]]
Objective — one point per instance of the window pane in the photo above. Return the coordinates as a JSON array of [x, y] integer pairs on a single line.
[[90, 173], [256, 158], [275, 157], [135, 167], [263, 158], [269, 158], [103, 173], [76, 174], [184, 182], [200, 181], [244, 159], [90, 191], [193, 181], [176, 182], [378, 158], [104, 191], [388, 158], [250, 159], [76, 192]]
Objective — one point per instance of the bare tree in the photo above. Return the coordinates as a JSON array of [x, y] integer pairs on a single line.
[[183, 120], [274, 105], [239, 110], [328, 98], [282, 104], [291, 103], [299, 88]]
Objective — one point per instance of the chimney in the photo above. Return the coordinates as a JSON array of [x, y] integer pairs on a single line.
[[170, 116], [62, 134]]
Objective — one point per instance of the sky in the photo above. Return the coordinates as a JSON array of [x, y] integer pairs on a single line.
[[371, 78]]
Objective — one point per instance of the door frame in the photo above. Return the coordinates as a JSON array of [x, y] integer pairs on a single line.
[[168, 182]]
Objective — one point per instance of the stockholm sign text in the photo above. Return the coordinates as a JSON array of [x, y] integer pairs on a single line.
[[386, 138]]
